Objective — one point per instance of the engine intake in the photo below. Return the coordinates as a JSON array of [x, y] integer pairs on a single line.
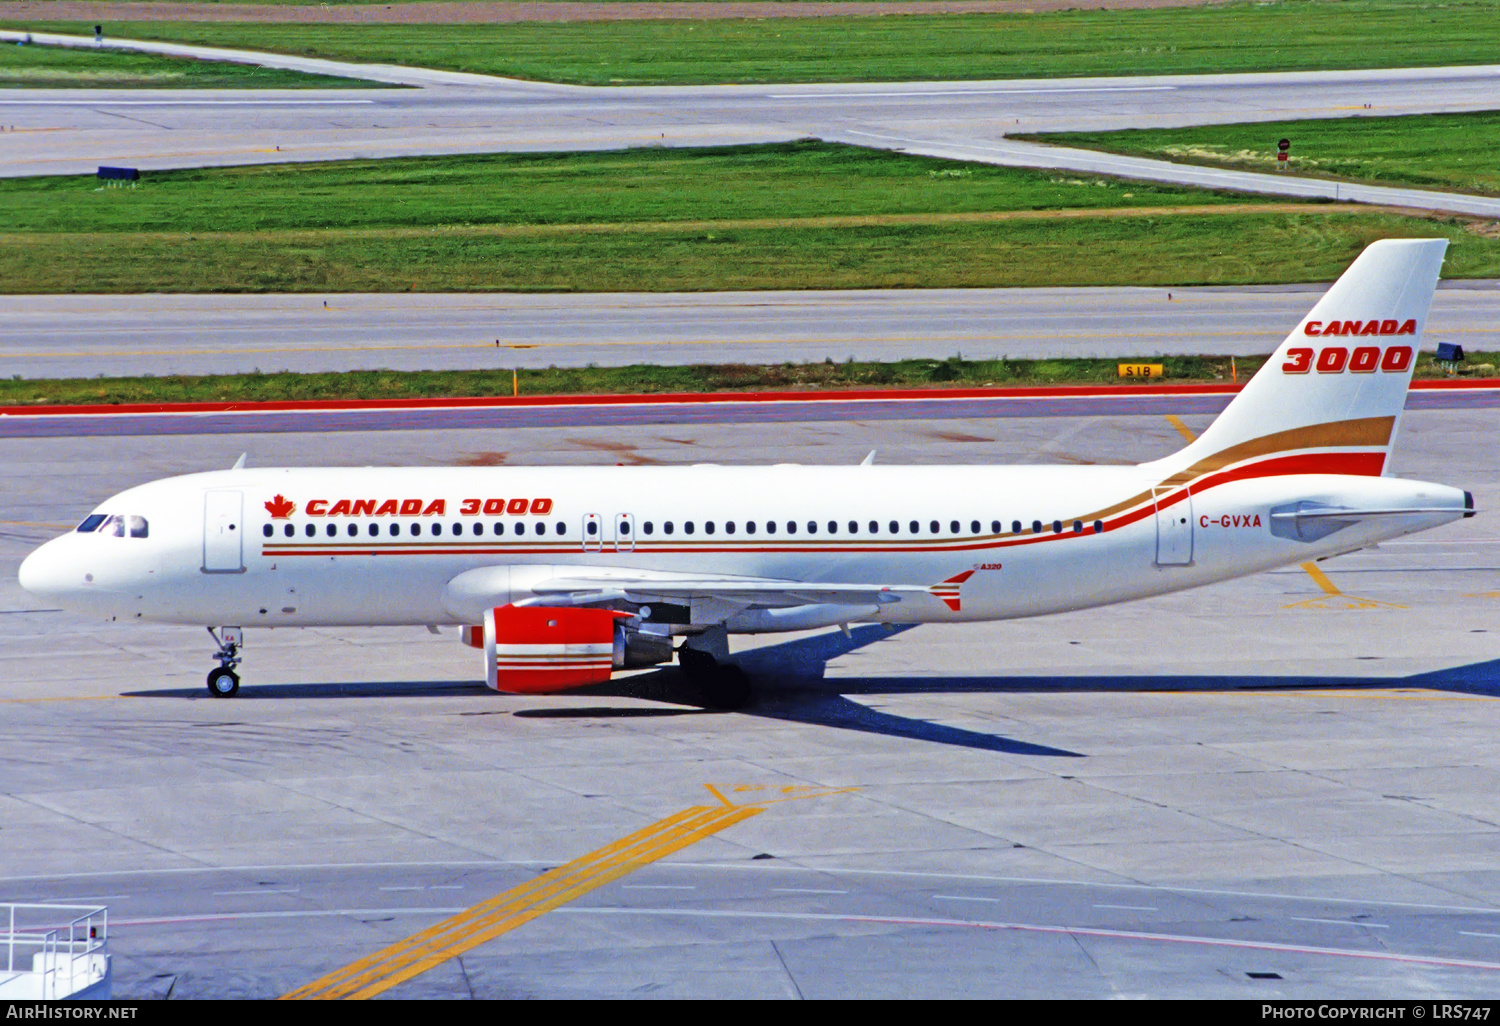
[[536, 649]]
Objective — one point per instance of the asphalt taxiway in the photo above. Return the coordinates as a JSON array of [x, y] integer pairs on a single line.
[[1279, 787], [84, 336], [74, 131]]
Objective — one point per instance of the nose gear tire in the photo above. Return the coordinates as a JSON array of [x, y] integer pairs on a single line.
[[223, 683]]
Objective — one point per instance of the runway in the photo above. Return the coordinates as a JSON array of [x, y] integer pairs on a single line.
[[83, 336], [1266, 789], [75, 131]]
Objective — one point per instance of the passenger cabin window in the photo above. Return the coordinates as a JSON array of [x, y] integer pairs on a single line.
[[267, 530]]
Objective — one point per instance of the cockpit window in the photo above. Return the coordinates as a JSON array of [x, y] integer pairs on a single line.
[[117, 525]]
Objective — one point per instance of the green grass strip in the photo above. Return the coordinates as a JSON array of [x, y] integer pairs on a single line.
[[1262, 36], [1182, 249], [954, 372], [1448, 152], [795, 216], [644, 186]]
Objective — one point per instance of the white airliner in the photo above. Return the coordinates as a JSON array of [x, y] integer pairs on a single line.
[[564, 575]]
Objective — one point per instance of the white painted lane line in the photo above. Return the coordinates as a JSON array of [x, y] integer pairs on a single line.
[[1131, 908], [1466, 933], [1039, 91], [1340, 922], [966, 897]]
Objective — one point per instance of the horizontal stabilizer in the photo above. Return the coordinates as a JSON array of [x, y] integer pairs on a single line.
[[1354, 515]]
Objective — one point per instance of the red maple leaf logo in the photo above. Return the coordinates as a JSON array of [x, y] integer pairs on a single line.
[[280, 508]]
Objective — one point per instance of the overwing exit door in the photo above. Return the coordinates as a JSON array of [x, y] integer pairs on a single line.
[[593, 532]]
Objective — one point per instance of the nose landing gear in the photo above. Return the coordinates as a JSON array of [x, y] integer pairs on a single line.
[[223, 682]]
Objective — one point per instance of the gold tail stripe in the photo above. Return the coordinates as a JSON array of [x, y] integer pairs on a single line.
[[453, 936]]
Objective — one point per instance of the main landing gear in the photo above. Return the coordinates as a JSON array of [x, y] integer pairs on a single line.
[[704, 659], [223, 682]]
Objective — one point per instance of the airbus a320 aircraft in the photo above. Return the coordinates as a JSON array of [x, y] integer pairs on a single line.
[[564, 575]]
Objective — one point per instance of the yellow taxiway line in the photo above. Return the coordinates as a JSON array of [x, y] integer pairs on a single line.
[[1320, 579], [1182, 429], [455, 935]]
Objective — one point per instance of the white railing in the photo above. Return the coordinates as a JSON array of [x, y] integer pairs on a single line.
[[54, 952]]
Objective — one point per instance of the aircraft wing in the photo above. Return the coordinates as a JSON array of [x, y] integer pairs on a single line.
[[587, 589]]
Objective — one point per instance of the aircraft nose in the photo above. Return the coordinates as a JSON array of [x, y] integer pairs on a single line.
[[45, 573]]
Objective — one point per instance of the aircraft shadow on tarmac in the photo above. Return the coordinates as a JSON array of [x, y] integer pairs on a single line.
[[791, 684]]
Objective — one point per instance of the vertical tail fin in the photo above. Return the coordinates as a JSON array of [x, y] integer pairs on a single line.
[[1329, 399]]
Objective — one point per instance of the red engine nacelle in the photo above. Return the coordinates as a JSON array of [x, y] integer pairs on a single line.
[[531, 649]]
